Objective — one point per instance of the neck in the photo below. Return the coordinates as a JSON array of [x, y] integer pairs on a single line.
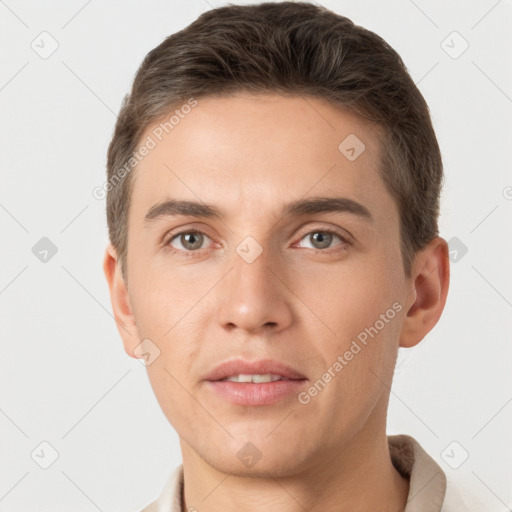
[[360, 477]]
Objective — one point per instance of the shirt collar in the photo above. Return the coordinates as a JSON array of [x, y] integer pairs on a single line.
[[427, 481]]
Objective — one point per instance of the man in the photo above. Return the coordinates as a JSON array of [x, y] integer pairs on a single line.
[[273, 195]]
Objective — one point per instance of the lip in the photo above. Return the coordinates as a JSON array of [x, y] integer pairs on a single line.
[[255, 394], [261, 367]]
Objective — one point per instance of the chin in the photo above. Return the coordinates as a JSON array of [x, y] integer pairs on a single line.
[[255, 457], [275, 467]]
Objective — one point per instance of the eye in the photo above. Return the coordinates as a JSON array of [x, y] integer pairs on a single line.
[[321, 240], [189, 240], [187, 243]]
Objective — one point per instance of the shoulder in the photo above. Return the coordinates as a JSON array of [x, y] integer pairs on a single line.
[[461, 497], [430, 487], [170, 497]]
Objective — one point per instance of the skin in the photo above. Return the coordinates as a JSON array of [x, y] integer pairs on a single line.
[[249, 154]]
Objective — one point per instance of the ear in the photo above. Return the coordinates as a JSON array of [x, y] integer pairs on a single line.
[[120, 301], [430, 282]]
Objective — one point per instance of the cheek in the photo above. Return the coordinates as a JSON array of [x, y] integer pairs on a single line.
[[172, 375], [357, 311], [159, 299], [349, 295]]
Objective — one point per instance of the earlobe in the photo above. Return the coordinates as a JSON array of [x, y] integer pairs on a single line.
[[120, 301], [430, 283]]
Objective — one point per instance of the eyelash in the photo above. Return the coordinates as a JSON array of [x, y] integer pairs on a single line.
[[198, 252]]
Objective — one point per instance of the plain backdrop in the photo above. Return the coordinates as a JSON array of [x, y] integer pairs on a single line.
[[65, 380]]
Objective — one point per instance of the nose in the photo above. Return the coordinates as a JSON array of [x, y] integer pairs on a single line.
[[253, 296]]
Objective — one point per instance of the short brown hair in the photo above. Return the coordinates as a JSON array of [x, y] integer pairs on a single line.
[[288, 48]]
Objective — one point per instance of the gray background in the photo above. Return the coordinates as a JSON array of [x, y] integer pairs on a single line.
[[65, 379]]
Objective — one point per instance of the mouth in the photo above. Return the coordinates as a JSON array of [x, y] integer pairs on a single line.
[[258, 383], [254, 379], [250, 371]]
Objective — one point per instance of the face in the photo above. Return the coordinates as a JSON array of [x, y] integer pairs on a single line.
[[275, 273]]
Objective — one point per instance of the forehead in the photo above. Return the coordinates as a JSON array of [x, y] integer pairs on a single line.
[[254, 153]]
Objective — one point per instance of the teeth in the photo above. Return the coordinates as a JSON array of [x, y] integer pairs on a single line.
[[255, 379]]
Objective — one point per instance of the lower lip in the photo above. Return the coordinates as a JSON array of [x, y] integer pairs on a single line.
[[266, 393]]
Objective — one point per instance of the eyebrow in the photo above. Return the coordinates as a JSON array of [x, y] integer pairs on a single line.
[[174, 207]]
